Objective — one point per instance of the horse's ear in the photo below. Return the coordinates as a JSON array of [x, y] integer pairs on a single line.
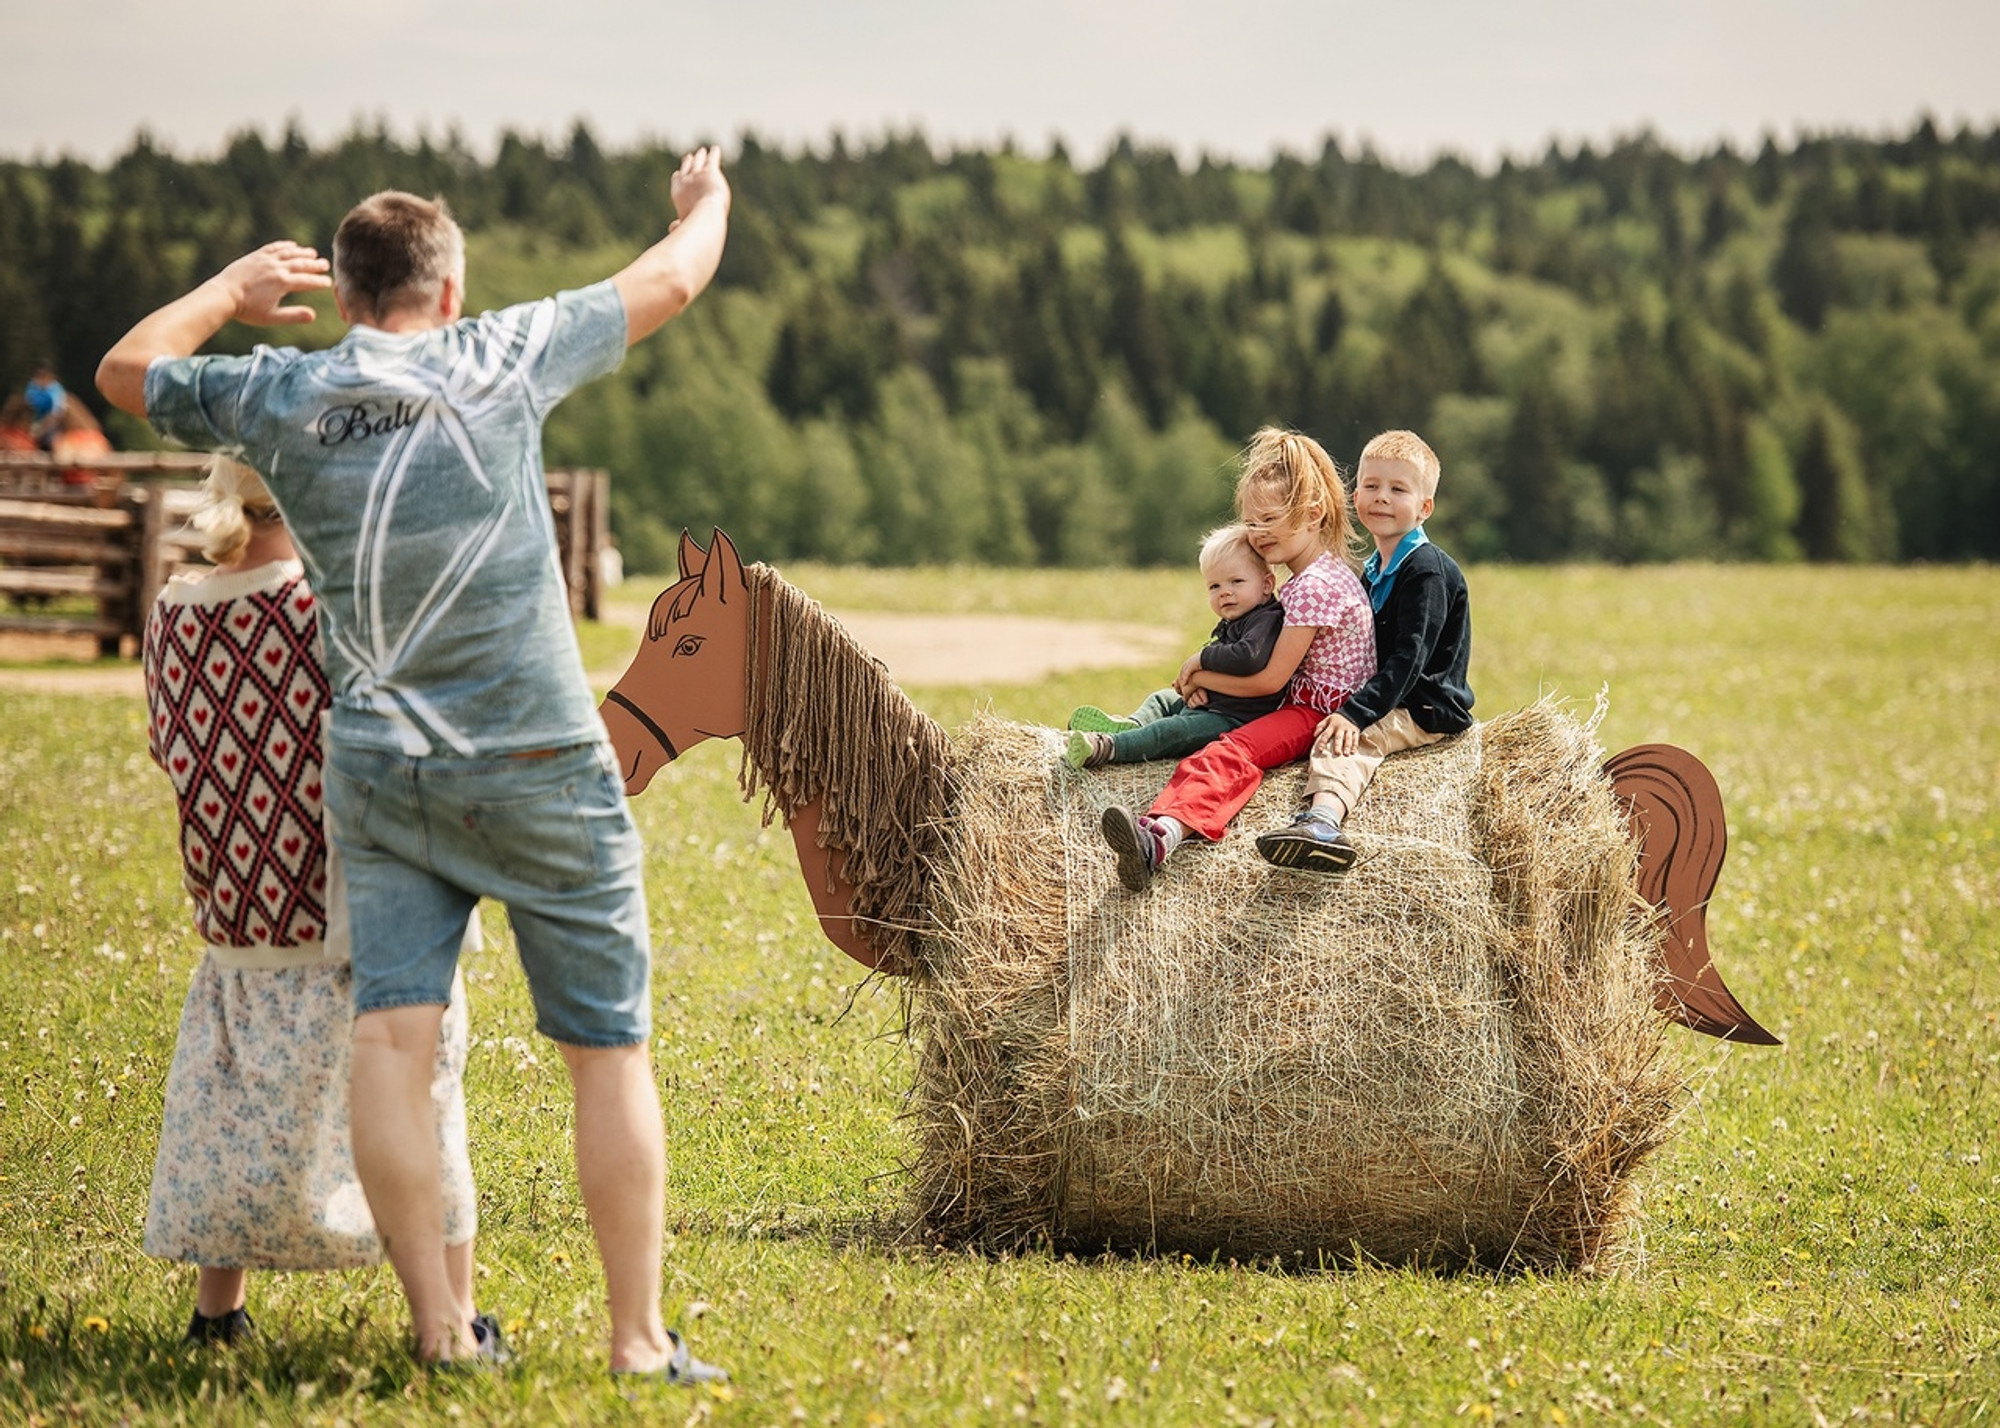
[[692, 555], [722, 576]]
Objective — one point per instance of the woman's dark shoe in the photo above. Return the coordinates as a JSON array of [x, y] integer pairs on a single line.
[[219, 1328]]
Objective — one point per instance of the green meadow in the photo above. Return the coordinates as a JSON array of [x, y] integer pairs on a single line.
[[1816, 1245]]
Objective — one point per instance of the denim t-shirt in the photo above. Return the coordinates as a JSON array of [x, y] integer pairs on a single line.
[[409, 469]]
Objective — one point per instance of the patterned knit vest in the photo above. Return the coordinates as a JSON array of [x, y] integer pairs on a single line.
[[234, 693]]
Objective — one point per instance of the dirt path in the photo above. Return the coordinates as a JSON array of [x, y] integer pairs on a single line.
[[1004, 649], [918, 650]]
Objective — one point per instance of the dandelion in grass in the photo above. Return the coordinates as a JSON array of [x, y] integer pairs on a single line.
[[97, 1323]]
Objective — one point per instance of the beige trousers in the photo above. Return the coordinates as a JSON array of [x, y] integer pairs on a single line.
[[1346, 777]]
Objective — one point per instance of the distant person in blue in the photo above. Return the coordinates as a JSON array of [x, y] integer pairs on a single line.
[[465, 756], [46, 400]]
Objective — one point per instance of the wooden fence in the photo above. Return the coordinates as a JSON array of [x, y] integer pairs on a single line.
[[580, 501], [110, 531]]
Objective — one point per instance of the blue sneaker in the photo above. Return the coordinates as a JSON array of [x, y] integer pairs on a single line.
[[1089, 719], [1313, 843]]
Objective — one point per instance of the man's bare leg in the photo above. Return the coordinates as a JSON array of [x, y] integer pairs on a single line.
[[396, 1156], [458, 1272], [621, 1169]]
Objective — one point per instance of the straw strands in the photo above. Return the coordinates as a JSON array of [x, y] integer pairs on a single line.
[[1449, 1054]]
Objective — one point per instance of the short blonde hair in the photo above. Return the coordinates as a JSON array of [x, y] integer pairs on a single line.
[[1226, 543], [1408, 446], [232, 496]]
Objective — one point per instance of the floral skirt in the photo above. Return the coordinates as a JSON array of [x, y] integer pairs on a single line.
[[255, 1169]]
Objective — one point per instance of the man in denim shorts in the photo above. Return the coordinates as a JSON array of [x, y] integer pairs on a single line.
[[465, 757]]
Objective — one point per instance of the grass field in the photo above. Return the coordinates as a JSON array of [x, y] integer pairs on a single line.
[[1817, 1245]]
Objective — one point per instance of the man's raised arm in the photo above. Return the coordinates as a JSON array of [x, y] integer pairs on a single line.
[[252, 289], [672, 273]]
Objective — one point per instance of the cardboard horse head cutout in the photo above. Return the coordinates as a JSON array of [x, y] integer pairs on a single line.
[[858, 774], [863, 779]]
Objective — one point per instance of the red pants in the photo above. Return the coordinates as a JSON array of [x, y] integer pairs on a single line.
[[1210, 787]]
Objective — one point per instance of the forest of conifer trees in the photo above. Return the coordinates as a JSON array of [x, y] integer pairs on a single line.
[[920, 356]]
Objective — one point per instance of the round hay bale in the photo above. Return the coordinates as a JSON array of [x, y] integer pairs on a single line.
[[1448, 1054]]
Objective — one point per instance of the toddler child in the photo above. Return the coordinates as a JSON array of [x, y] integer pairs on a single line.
[[1169, 725], [1291, 499], [1423, 642], [255, 1170]]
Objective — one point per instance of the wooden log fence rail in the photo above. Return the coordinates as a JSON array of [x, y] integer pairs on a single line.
[[85, 547]]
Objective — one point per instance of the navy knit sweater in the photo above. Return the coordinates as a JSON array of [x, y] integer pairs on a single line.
[[1423, 640]]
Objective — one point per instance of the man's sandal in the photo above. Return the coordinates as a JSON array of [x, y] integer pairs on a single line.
[[489, 1350], [682, 1370]]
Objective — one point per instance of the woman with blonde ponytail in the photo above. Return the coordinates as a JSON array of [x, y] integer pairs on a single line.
[[255, 1169], [233, 505]]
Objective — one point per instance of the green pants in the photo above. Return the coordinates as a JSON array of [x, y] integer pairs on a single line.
[[1168, 729]]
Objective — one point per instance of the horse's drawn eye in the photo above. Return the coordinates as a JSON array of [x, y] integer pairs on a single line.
[[687, 645]]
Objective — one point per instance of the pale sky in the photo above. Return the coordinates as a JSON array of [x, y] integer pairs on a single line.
[[1235, 77]]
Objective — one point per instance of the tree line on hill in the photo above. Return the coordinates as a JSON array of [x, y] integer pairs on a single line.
[[924, 356]]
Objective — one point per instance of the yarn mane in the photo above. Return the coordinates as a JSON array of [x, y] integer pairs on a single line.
[[823, 721]]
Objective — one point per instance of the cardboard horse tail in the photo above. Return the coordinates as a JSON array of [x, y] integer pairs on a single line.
[[1675, 812], [863, 779]]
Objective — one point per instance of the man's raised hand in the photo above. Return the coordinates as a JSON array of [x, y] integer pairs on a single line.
[[252, 289], [699, 177], [664, 279], [260, 281]]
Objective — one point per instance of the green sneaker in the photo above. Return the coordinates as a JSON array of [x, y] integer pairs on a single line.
[[1087, 751], [1089, 719]]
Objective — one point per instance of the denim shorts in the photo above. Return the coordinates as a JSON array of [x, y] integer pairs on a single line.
[[423, 839]]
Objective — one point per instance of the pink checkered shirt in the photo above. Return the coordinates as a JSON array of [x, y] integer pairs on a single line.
[[1341, 657]]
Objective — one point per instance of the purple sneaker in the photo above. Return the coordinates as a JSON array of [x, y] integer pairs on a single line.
[[1138, 844]]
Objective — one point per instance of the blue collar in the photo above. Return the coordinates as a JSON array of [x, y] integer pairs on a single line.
[[1380, 579]]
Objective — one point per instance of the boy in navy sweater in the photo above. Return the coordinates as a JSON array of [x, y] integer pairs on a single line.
[[1423, 640]]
